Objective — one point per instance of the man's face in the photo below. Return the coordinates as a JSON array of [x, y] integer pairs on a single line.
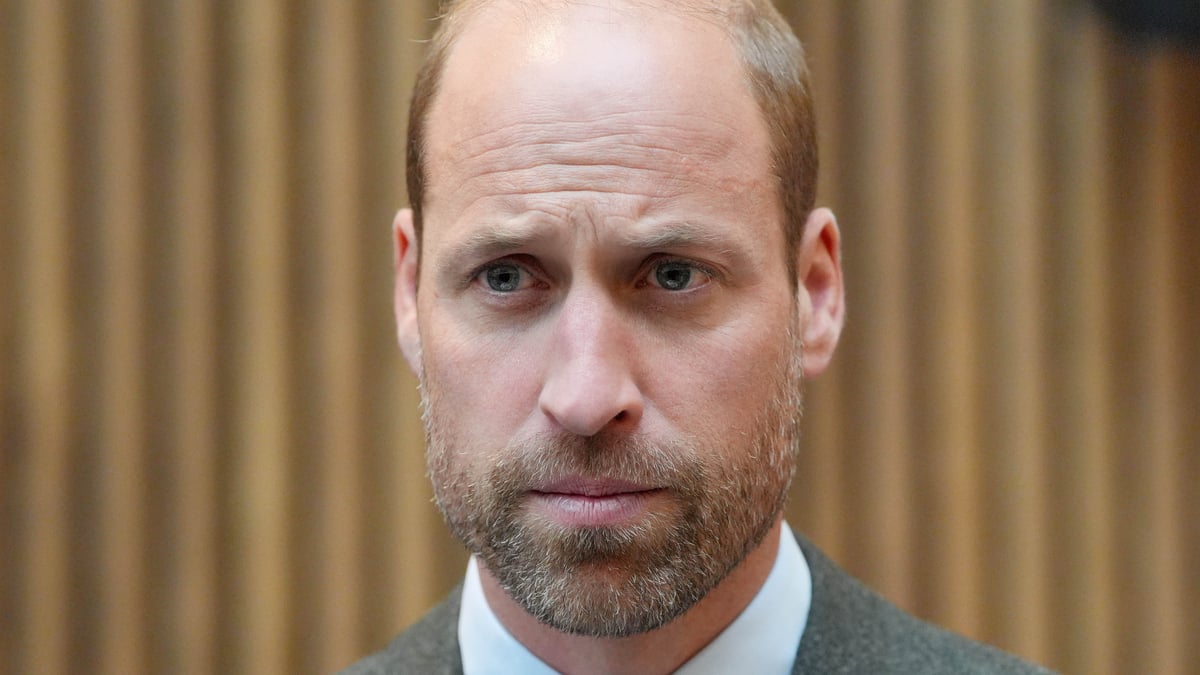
[[607, 330]]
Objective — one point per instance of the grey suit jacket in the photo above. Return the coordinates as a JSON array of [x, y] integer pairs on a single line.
[[850, 630]]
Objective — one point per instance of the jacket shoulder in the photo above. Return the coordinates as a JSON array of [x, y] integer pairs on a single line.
[[428, 647], [851, 629]]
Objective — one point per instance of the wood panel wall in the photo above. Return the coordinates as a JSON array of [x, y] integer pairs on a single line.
[[209, 447]]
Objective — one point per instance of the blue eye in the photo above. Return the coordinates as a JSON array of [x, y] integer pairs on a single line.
[[503, 277], [673, 276]]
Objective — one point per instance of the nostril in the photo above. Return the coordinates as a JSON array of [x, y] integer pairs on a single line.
[[620, 417]]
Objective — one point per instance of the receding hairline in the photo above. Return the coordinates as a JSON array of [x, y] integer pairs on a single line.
[[455, 17]]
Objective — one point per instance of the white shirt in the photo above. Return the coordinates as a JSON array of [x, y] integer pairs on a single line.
[[764, 638]]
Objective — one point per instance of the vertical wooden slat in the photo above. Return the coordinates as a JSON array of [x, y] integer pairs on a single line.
[[337, 218], [1081, 577], [1006, 33], [1183, 96], [194, 337], [12, 414], [1126, 131], [877, 444], [1147, 560], [44, 343], [259, 484], [122, 520], [945, 381], [385, 40], [1159, 624]]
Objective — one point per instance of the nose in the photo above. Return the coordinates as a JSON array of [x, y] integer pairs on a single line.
[[589, 385]]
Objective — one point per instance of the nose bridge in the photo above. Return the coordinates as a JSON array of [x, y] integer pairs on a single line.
[[589, 383], [587, 326]]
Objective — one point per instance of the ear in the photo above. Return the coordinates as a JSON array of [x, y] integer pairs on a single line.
[[405, 298], [822, 298]]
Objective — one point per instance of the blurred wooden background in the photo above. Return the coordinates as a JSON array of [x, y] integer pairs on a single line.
[[210, 455]]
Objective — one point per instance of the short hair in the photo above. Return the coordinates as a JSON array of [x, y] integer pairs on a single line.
[[776, 68]]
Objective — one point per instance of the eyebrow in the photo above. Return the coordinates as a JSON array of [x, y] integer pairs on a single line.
[[671, 235], [493, 242], [487, 243]]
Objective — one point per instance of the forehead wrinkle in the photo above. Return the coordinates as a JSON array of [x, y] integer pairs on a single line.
[[520, 186], [583, 159], [546, 207], [632, 173], [678, 133]]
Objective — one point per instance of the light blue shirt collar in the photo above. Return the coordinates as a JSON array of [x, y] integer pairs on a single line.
[[764, 638]]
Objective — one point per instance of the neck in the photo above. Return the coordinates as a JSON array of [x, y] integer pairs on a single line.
[[659, 651]]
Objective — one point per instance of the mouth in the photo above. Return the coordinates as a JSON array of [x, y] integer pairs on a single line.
[[592, 487], [593, 502]]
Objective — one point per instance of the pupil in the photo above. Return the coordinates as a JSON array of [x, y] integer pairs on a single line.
[[504, 278], [673, 276]]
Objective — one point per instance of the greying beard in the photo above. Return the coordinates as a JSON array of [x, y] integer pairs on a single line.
[[616, 581]]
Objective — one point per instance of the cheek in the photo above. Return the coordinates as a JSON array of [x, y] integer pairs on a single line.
[[724, 382], [481, 386]]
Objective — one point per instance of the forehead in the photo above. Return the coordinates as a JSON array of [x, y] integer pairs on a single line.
[[593, 112], [518, 65]]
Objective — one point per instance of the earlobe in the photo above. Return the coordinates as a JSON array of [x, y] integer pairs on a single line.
[[405, 294], [821, 290]]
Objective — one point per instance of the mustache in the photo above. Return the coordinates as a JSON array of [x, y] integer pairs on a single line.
[[548, 458]]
